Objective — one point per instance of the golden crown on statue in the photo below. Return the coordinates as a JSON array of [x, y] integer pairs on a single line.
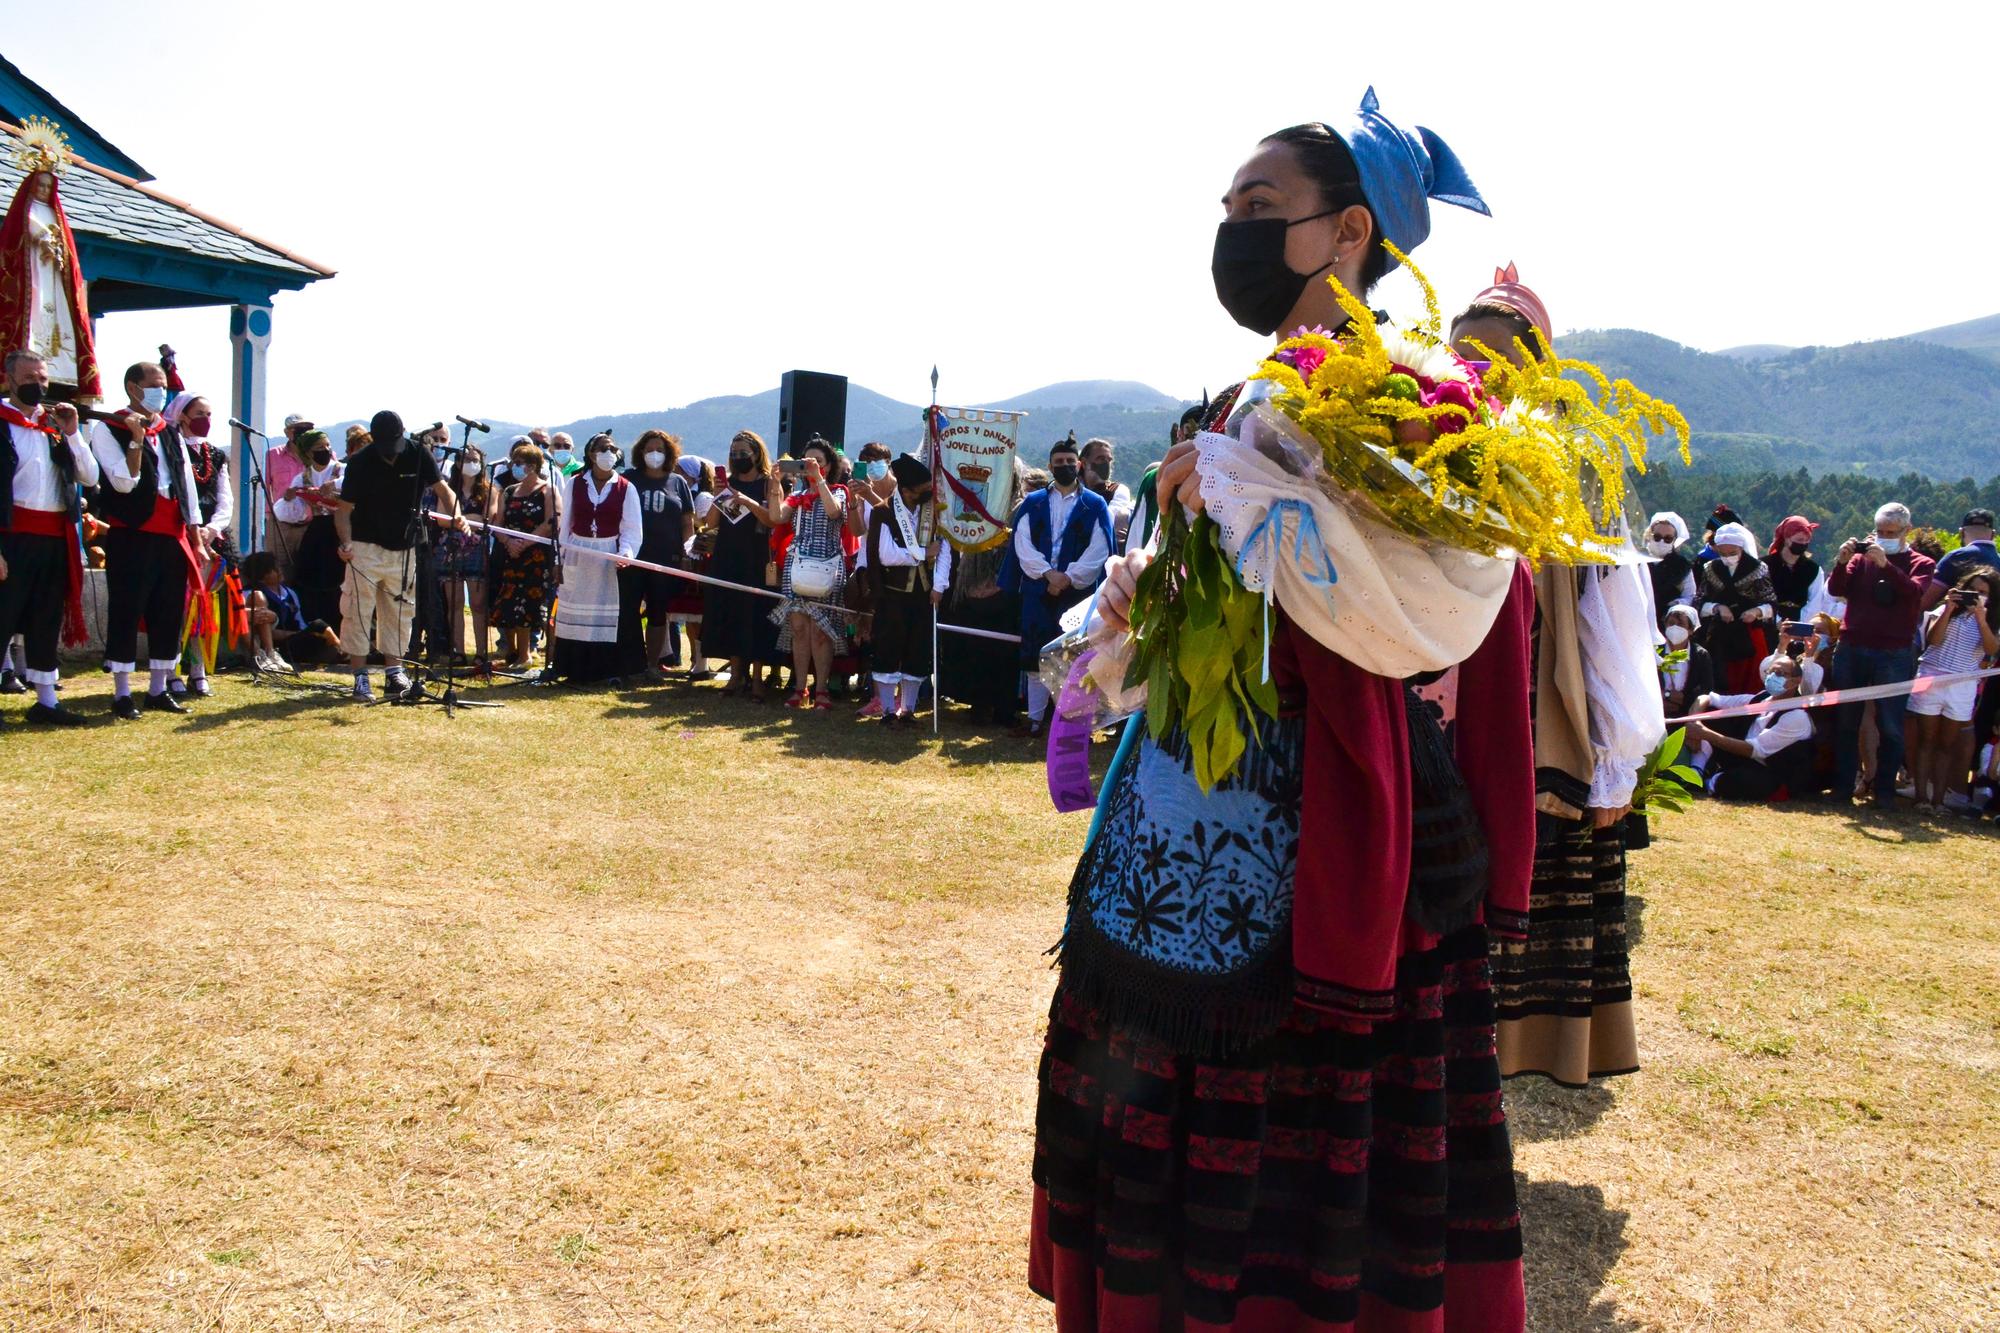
[[42, 146]]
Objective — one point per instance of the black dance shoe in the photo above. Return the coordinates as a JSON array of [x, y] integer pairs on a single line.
[[58, 716], [165, 703], [125, 708]]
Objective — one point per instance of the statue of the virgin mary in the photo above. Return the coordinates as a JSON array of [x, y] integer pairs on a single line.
[[42, 302]]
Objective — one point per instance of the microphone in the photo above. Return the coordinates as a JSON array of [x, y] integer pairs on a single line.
[[252, 430], [479, 426]]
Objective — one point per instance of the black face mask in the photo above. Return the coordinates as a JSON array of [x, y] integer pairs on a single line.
[[322, 456], [1102, 471], [739, 463], [1064, 473], [29, 393], [1798, 549], [1252, 280]]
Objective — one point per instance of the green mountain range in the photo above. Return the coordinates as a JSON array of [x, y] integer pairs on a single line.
[[1927, 404]]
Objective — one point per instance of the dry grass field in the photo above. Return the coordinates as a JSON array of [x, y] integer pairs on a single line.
[[656, 1010]]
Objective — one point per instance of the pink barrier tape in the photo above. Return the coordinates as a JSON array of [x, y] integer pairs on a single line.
[[1860, 694], [690, 575]]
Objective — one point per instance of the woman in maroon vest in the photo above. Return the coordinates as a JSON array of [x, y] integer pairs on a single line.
[[600, 518]]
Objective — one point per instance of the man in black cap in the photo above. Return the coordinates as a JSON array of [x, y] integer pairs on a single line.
[[379, 522], [901, 538], [1975, 535]]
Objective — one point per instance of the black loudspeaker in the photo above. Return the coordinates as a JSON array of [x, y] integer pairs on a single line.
[[811, 403]]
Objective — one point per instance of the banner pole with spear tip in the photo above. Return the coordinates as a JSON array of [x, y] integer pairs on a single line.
[[937, 534]]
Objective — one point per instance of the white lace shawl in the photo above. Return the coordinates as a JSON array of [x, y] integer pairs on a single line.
[[1399, 606]]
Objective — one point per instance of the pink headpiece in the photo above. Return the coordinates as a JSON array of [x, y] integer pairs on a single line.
[[1507, 291]]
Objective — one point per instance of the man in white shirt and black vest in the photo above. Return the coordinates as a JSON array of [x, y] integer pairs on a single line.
[[42, 462], [1062, 538], [910, 568], [156, 549]]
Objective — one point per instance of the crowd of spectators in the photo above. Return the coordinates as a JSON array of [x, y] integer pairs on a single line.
[[580, 585], [1894, 608]]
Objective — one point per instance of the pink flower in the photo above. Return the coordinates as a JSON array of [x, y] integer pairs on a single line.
[[1451, 393], [1306, 360]]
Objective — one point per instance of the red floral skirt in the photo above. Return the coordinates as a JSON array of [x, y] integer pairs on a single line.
[[1335, 1176]]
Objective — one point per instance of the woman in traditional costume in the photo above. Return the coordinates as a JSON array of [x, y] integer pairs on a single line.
[[1269, 1095], [600, 517], [1738, 605], [1672, 569], [1564, 993]]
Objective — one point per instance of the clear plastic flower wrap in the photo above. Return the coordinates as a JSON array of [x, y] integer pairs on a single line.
[[1084, 670]]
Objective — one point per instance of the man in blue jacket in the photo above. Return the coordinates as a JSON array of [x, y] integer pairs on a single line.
[[1062, 538]]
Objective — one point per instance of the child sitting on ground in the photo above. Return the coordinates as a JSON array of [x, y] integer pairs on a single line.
[[275, 619]]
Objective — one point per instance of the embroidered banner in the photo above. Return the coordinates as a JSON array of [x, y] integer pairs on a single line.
[[974, 450]]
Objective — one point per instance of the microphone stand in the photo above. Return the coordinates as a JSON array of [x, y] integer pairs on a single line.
[[418, 693]]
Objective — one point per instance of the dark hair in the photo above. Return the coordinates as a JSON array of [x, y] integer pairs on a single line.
[[1516, 322], [1992, 577], [875, 449], [255, 566], [1323, 156], [476, 494], [669, 444], [1066, 445], [137, 370]]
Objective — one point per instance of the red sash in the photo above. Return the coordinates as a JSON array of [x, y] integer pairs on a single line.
[[42, 523]]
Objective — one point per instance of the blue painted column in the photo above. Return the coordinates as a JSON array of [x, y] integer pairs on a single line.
[[249, 337]]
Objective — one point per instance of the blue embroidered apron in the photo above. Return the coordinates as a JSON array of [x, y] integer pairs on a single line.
[[1180, 918]]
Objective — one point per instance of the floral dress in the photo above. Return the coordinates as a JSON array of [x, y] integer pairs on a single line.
[[521, 588]]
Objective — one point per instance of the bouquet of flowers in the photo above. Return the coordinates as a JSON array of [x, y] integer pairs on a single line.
[[1490, 458]]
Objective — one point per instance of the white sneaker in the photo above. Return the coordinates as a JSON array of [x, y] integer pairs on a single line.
[[260, 662], [278, 663], [363, 692]]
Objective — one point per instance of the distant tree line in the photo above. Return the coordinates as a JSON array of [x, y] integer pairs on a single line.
[[1843, 503]]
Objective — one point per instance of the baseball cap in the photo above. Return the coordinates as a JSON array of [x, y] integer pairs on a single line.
[[296, 420], [1977, 518]]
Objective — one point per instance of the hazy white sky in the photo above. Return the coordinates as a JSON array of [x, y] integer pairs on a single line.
[[542, 211]]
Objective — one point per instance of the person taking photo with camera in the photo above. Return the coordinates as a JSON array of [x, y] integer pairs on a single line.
[[1883, 582], [1960, 633], [378, 523]]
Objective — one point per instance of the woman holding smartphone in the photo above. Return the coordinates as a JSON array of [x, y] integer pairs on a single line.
[[1959, 634], [734, 625]]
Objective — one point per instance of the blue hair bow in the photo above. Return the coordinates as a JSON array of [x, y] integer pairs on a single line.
[[1402, 172]]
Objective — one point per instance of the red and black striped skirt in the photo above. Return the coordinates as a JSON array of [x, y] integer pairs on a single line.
[[1335, 1176]]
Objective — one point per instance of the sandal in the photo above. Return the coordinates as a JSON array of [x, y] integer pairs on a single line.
[[796, 699], [822, 701]]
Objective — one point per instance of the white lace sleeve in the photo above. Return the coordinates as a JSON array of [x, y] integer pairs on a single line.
[[1396, 606], [1615, 630]]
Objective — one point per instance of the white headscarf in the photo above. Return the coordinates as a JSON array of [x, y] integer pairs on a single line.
[[1679, 525], [177, 405], [1735, 534]]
